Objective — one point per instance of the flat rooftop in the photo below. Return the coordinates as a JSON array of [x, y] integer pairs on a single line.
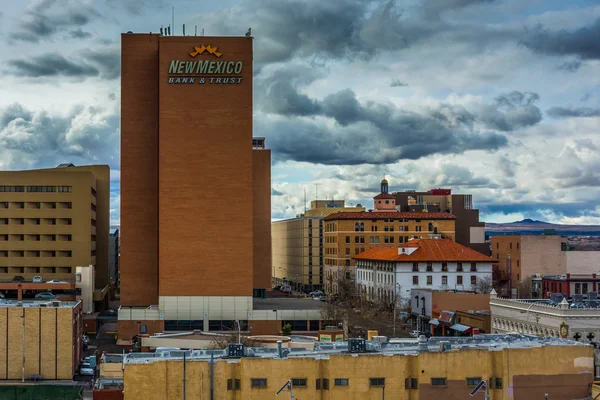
[[37, 304], [491, 342], [277, 303]]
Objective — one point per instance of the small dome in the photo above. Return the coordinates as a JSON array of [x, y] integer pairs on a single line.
[[384, 181]]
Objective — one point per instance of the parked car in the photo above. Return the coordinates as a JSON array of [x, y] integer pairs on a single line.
[[316, 293], [108, 313], [54, 281], [45, 296], [319, 298], [18, 278], [37, 279], [414, 334], [286, 289], [86, 369]]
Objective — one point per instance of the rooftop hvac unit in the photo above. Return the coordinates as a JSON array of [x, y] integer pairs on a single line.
[[381, 339], [235, 350], [357, 345]]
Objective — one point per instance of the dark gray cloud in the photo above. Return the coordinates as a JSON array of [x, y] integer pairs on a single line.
[[136, 7], [570, 66], [397, 83], [344, 29], [42, 19], [79, 34], [104, 63], [275, 192], [562, 112], [436, 7], [50, 64], [582, 42], [512, 111], [35, 139], [373, 132]]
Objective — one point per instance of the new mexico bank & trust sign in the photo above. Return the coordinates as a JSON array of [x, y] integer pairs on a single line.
[[205, 71]]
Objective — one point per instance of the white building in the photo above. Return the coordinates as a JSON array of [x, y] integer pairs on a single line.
[[438, 264], [544, 318]]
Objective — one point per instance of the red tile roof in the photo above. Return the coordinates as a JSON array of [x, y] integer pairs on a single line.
[[384, 196], [427, 250], [390, 215]]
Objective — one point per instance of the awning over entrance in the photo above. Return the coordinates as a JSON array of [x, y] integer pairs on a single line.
[[434, 322], [460, 327]]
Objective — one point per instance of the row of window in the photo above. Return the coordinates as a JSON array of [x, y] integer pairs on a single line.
[[36, 189], [36, 205], [228, 325], [323, 384], [38, 221], [35, 270], [37, 238], [36, 253]]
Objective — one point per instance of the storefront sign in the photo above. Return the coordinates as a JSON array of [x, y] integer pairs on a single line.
[[205, 71]]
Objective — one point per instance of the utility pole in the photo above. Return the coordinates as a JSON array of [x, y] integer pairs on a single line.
[[184, 374], [23, 348]]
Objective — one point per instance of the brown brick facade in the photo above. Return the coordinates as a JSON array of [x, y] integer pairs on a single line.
[[139, 170], [188, 176]]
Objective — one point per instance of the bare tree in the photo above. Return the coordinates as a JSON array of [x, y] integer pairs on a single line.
[[484, 285], [525, 288]]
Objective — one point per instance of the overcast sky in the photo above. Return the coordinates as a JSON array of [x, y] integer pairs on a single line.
[[498, 98]]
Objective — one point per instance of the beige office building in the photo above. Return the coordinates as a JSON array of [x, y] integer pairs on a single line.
[[298, 245], [53, 220]]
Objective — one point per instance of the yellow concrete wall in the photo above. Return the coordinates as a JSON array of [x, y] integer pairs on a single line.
[[3, 342], [32, 341], [15, 347], [64, 351], [48, 339], [164, 379]]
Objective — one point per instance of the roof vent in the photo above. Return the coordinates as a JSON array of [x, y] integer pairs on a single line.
[[358, 345]]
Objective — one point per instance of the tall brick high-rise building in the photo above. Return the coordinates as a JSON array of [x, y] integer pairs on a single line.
[[195, 186]]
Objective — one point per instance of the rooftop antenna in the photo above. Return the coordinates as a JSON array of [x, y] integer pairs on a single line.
[[195, 30], [183, 29], [202, 31], [161, 30], [249, 33], [173, 20]]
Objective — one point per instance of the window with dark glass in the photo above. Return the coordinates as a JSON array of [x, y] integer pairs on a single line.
[[258, 382], [473, 280], [415, 279], [444, 267], [298, 382], [341, 382], [459, 267], [415, 267], [376, 382], [429, 267], [438, 381], [473, 381], [429, 280], [459, 280]]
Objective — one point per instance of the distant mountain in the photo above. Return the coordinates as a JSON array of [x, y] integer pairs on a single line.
[[533, 227]]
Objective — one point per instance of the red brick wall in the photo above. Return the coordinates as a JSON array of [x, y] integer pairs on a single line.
[[128, 329], [205, 176], [139, 169], [261, 189]]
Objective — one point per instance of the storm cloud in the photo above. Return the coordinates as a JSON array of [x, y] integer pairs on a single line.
[[104, 63], [582, 42], [562, 112], [43, 19]]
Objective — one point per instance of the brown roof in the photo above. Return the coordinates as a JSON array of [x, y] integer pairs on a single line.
[[390, 215], [427, 250], [385, 196]]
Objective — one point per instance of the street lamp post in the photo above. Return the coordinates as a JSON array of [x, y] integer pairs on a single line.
[[23, 348]]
